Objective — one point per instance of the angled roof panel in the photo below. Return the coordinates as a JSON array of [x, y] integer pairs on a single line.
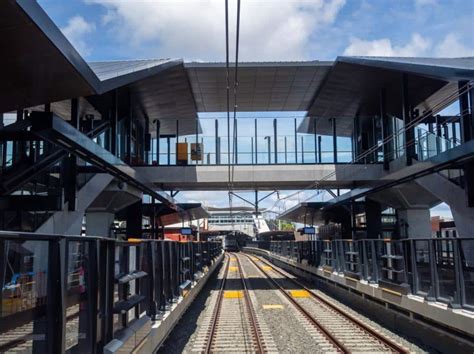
[[442, 68], [263, 86]]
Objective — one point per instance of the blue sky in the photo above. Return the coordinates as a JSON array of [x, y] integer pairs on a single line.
[[270, 30]]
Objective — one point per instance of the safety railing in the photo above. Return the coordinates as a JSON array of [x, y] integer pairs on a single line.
[[75, 294], [438, 269]]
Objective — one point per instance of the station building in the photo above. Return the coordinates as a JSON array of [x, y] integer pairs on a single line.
[[90, 143]]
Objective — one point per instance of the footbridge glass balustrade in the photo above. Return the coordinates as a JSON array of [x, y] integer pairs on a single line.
[[438, 269], [266, 141], [74, 294]]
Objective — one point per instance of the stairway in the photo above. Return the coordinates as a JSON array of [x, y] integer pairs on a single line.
[[450, 191]]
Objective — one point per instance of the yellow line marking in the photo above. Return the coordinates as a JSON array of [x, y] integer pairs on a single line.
[[353, 279], [392, 292], [299, 293], [233, 269], [233, 294], [272, 307], [267, 268]]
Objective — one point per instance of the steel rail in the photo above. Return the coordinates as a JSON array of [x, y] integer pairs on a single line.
[[251, 310], [340, 347], [217, 309], [317, 298]]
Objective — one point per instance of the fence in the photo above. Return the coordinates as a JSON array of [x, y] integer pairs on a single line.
[[438, 269], [74, 294]]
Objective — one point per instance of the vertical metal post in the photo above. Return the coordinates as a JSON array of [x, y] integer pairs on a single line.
[[374, 139], [197, 141], [385, 132], [459, 297], [438, 135], [251, 149], [256, 142], [286, 155], [3, 268], [320, 155], [236, 151], [433, 293], [216, 136], [465, 115], [202, 151], [334, 140], [56, 306], [268, 138], [409, 134], [158, 134], [315, 141], [177, 132], [275, 143], [302, 149], [130, 130], [296, 144], [168, 141], [355, 145]]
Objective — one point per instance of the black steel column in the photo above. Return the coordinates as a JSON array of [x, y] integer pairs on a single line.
[[275, 143], [113, 124], [320, 154], [256, 143], [236, 149], [334, 139], [355, 144], [465, 115], [134, 220], [197, 141], [216, 127], [158, 134], [296, 144], [409, 134], [168, 142], [56, 306], [69, 164], [315, 142], [385, 132], [129, 130], [373, 215]]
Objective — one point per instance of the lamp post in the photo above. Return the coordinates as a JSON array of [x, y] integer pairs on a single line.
[[269, 141]]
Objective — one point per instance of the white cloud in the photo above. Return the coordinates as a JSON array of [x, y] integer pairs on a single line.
[[194, 29], [451, 46], [421, 3], [417, 46], [76, 30]]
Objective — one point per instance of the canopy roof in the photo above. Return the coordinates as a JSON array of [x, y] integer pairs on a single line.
[[38, 65]]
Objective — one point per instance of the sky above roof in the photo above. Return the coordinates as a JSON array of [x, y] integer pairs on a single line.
[[270, 30]]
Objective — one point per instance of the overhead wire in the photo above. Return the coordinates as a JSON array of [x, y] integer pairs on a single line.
[[231, 162]]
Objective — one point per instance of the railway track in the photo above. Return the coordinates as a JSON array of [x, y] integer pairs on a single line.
[[340, 330], [233, 325]]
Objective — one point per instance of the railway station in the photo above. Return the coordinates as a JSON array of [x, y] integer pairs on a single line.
[[100, 252]]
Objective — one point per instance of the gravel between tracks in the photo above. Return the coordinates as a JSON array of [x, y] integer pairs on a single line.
[[288, 329]]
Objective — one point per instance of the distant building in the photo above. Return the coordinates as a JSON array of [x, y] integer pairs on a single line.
[[443, 227], [241, 219]]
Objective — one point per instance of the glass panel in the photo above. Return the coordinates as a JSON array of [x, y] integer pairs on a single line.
[[24, 296], [444, 258], [77, 295], [466, 252], [422, 260]]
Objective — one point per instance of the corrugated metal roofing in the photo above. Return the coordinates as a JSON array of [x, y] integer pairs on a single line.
[[106, 70]]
